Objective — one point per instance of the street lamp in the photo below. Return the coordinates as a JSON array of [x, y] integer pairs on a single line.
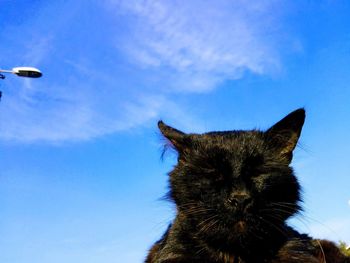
[[28, 72]]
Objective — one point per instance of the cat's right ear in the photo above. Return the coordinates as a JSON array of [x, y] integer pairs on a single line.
[[178, 139]]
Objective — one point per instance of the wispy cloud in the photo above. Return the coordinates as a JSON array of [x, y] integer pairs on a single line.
[[203, 43], [122, 65]]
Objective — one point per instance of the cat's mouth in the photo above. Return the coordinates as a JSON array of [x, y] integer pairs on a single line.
[[240, 226]]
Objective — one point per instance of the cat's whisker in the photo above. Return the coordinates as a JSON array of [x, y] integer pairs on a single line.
[[200, 251], [281, 217], [283, 232], [251, 232], [209, 222], [277, 210], [286, 205], [209, 225], [193, 209], [304, 220], [196, 211]]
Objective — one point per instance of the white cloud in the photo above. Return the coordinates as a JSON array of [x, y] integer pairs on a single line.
[[74, 119], [203, 43], [103, 78]]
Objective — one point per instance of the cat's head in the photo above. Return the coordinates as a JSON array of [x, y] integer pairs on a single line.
[[234, 185]]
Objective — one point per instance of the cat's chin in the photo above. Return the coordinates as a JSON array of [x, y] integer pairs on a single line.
[[240, 227], [236, 234]]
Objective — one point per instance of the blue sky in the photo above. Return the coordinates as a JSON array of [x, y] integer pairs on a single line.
[[81, 175]]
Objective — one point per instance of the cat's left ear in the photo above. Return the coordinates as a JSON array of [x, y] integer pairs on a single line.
[[284, 134], [177, 138]]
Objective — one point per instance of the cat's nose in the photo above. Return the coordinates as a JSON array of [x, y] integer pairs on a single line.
[[241, 199]]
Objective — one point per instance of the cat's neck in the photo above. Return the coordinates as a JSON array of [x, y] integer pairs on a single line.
[[256, 250]]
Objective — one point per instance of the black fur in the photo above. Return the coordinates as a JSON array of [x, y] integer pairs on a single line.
[[233, 191]]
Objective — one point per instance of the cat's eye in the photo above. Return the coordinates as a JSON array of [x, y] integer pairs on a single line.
[[219, 177], [213, 175], [252, 166]]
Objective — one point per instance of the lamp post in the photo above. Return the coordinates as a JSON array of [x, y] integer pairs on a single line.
[[28, 72]]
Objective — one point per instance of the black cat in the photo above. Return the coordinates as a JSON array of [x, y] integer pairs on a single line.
[[233, 192]]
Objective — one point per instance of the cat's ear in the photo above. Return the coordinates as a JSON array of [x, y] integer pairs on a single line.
[[284, 134], [177, 138]]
